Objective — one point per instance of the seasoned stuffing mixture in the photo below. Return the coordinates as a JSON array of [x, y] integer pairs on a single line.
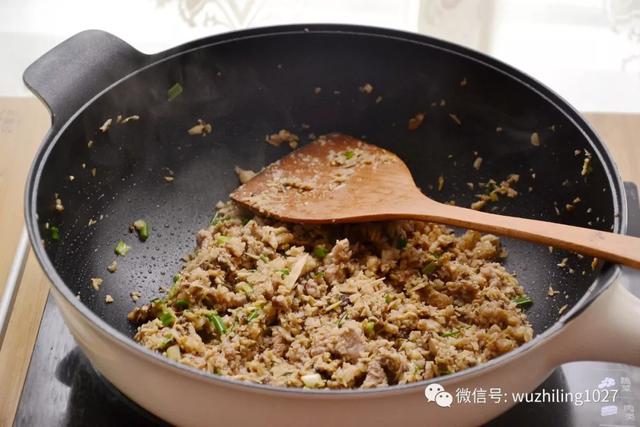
[[340, 306]]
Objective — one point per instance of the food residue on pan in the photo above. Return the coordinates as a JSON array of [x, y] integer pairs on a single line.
[[244, 175], [552, 292], [416, 121], [131, 118], [283, 135], [106, 125], [200, 128], [108, 299], [493, 191], [477, 163], [96, 282], [563, 308], [455, 119], [535, 139], [113, 267], [366, 88], [586, 164]]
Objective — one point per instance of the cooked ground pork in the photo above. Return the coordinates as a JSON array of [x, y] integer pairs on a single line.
[[340, 306]]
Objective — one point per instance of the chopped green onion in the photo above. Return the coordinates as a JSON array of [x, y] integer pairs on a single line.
[[217, 322], [244, 287], [401, 243], [349, 154], [217, 218], [169, 339], [342, 318], [142, 227], [55, 232], [320, 252], [284, 272], [174, 91], [523, 300], [368, 328], [450, 334], [264, 258], [388, 298], [319, 274], [221, 240], [173, 352], [182, 304], [167, 318], [253, 315], [429, 268], [122, 248], [177, 278]]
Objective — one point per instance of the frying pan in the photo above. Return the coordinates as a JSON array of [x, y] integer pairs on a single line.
[[251, 83]]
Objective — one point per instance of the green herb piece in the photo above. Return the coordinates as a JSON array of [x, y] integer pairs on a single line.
[[173, 352], [177, 278], [522, 301], [217, 322], [368, 327], [264, 258], [54, 232], [388, 298], [169, 339], [284, 272], [401, 243], [142, 227], [182, 304], [218, 218], [429, 268], [246, 288], [342, 318], [167, 318], [319, 275], [349, 154], [450, 334], [122, 248], [221, 240], [174, 91], [253, 315], [320, 252]]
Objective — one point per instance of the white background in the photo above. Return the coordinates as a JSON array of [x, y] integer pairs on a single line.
[[587, 50]]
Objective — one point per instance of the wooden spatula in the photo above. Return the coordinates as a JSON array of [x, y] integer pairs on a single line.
[[341, 179]]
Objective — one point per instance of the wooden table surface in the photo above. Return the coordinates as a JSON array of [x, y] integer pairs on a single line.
[[24, 122]]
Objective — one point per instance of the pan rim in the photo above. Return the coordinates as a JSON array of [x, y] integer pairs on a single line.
[[602, 281]]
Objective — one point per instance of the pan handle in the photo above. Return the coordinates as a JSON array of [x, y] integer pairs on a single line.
[[73, 72], [609, 329]]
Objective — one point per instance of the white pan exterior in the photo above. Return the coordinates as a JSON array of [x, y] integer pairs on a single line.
[[607, 330]]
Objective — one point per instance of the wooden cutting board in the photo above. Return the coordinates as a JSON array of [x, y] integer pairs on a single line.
[[23, 124]]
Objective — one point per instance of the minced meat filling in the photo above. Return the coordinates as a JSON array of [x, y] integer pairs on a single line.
[[339, 306]]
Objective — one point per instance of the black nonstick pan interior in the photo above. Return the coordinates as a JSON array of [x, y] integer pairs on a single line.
[[248, 87]]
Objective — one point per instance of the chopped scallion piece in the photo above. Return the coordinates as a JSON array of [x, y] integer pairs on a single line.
[[522, 301], [254, 315], [349, 154], [177, 278], [388, 298], [167, 318], [284, 272], [142, 227], [221, 240], [429, 268], [368, 327], [218, 323], [401, 243], [182, 304], [174, 91], [320, 252], [122, 248], [245, 287], [55, 232], [217, 218], [342, 318], [450, 334]]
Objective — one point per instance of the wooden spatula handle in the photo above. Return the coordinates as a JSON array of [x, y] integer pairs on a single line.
[[614, 247]]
